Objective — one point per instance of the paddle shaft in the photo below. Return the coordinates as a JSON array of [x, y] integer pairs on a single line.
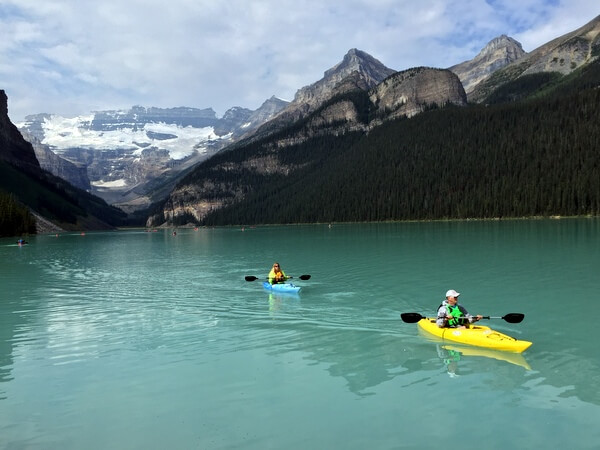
[[253, 278], [510, 317]]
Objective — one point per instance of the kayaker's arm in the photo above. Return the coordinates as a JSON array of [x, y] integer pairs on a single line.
[[442, 317], [471, 318]]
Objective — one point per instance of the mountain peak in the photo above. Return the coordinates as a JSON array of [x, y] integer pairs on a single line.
[[563, 55], [497, 53], [358, 61], [370, 70], [502, 43]]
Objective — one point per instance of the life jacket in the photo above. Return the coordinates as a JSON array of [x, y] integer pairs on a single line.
[[273, 275], [456, 314]]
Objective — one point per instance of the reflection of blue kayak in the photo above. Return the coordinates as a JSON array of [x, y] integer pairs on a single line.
[[281, 287]]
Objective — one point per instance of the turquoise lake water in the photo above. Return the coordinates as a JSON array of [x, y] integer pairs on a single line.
[[142, 340]]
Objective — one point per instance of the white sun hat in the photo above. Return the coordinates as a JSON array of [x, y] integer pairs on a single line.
[[452, 293]]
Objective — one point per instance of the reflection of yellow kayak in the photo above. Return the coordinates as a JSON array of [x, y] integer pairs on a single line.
[[477, 335], [510, 357]]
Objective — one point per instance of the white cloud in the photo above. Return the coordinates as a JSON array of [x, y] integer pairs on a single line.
[[69, 58]]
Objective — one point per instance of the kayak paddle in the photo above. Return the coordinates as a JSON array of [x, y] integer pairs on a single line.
[[253, 278], [510, 317]]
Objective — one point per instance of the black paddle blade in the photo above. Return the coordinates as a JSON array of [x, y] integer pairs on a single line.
[[250, 278], [411, 317], [514, 317], [304, 277]]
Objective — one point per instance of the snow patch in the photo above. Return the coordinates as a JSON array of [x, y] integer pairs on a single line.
[[63, 133], [109, 184]]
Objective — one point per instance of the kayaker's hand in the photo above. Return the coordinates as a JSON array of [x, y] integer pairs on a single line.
[[478, 317]]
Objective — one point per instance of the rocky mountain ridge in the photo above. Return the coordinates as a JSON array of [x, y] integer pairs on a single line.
[[562, 55], [498, 53], [370, 70], [357, 70]]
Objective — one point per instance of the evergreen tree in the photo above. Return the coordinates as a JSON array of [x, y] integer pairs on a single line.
[[15, 219]]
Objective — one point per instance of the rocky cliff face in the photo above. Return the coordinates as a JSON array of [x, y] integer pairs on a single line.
[[13, 148], [409, 92], [563, 54], [404, 93], [498, 53], [74, 173]]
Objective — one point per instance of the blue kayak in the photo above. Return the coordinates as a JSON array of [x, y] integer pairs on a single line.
[[281, 287]]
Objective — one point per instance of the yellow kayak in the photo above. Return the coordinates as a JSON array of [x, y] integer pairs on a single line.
[[477, 335]]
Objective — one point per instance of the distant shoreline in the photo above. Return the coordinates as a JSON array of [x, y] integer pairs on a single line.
[[492, 219]]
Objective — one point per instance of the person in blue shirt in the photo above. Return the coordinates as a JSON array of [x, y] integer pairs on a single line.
[[451, 314]]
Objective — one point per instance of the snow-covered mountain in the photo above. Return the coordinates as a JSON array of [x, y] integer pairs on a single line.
[[128, 152]]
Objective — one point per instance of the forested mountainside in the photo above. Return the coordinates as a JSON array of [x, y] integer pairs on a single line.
[[537, 156]]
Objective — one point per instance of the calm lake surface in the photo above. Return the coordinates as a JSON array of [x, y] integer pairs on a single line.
[[145, 340]]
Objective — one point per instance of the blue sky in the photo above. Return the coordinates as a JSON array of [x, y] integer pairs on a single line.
[[73, 57]]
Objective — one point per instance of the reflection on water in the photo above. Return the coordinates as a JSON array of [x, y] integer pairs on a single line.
[[282, 301], [451, 356]]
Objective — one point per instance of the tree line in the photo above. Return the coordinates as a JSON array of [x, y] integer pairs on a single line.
[[15, 219]]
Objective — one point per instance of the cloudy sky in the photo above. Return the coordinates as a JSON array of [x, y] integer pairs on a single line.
[[71, 57]]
